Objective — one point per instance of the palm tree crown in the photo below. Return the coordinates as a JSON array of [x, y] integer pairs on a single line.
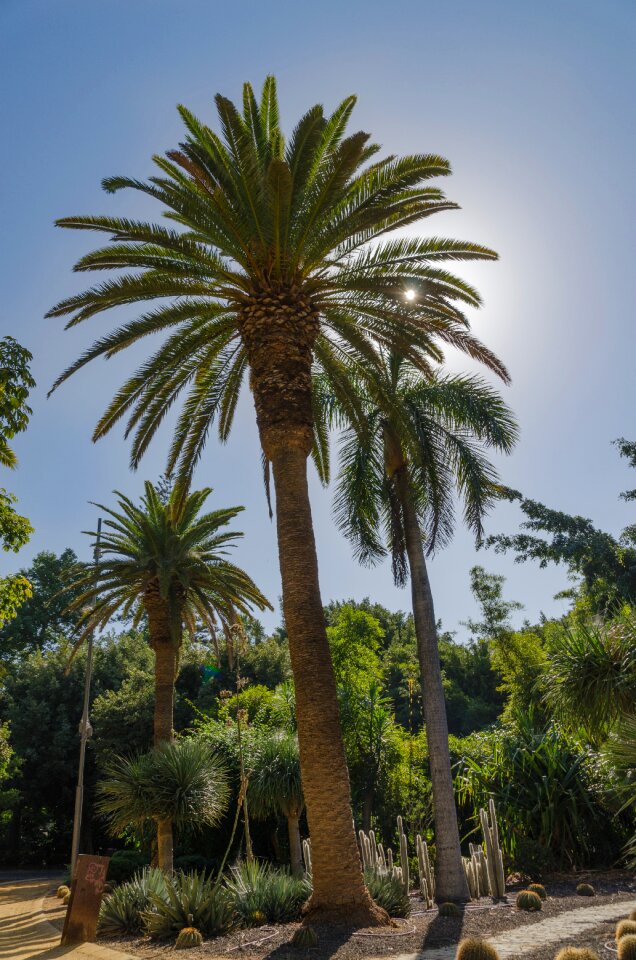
[[439, 427], [167, 550]]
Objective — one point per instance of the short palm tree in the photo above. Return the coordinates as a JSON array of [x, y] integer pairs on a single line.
[[165, 561], [421, 445], [180, 784], [274, 260], [275, 787]]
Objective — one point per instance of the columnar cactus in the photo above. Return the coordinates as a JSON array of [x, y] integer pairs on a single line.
[[494, 856], [427, 880], [307, 856], [404, 855]]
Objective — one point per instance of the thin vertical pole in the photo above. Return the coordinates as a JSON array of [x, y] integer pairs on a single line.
[[84, 729]]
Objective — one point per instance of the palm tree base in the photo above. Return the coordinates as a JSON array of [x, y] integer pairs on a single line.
[[350, 913]]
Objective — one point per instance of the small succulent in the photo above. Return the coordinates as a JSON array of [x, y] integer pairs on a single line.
[[576, 953], [449, 910], [62, 891], [538, 888], [305, 937], [625, 928], [188, 936], [626, 948], [528, 900], [475, 949], [585, 890]]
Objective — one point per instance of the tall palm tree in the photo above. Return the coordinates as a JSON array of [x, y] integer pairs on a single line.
[[165, 561], [421, 444], [274, 260], [181, 783], [275, 787]]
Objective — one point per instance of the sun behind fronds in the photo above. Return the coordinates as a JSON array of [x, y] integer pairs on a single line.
[[270, 242]]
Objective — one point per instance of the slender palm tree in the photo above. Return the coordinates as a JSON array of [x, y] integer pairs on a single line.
[[421, 444], [275, 260], [275, 787], [165, 561], [181, 783]]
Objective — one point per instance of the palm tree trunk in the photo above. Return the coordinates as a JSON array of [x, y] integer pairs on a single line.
[[295, 846], [165, 650], [339, 893], [450, 878]]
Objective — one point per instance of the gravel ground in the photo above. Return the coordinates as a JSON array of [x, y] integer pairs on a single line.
[[422, 930]]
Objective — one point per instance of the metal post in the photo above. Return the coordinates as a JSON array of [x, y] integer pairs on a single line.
[[85, 731]]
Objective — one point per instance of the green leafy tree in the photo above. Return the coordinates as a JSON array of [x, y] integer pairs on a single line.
[[603, 565], [487, 589], [422, 444], [276, 261], [15, 530], [163, 561]]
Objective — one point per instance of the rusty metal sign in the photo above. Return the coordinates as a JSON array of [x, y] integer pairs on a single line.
[[80, 924]]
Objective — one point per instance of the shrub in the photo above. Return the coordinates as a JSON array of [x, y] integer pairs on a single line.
[[627, 948], [62, 891], [262, 892], [389, 893], [585, 890], [190, 862], [121, 911], [305, 937], [576, 953], [189, 899], [625, 928], [474, 949], [538, 888], [124, 864], [449, 910], [188, 937], [528, 900]]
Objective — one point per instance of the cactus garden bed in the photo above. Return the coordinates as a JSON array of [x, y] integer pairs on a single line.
[[423, 930]]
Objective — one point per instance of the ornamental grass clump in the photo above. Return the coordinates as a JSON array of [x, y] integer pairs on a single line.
[[121, 911], [528, 900], [538, 888], [389, 892], [626, 947], [189, 900], [576, 953], [585, 890], [449, 910], [262, 893], [625, 928], [472, 948]]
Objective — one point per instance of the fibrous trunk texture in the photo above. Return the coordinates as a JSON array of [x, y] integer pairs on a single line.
[[279, 331], [450, 877], [295, 847]]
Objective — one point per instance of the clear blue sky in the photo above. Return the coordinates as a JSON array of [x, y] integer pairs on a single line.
[[532, 102]]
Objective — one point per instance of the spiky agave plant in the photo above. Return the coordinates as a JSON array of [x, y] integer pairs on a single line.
[[276, 260]]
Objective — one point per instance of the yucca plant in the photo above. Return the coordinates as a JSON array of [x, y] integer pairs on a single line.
[[276, 264], [180, 784], [389, 892], [275, 786], [620, 751], [189, 900], [120, 912], [262, 892]]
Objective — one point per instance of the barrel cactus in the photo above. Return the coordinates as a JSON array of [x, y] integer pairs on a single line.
[[540, 889], [472, 948], [62, 891], [585, 890], [449, 910], [188, 937], [627, 947], [66, 898], [305, 937], [528, 900], [576, 953], [625, 928], [632, 915]]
